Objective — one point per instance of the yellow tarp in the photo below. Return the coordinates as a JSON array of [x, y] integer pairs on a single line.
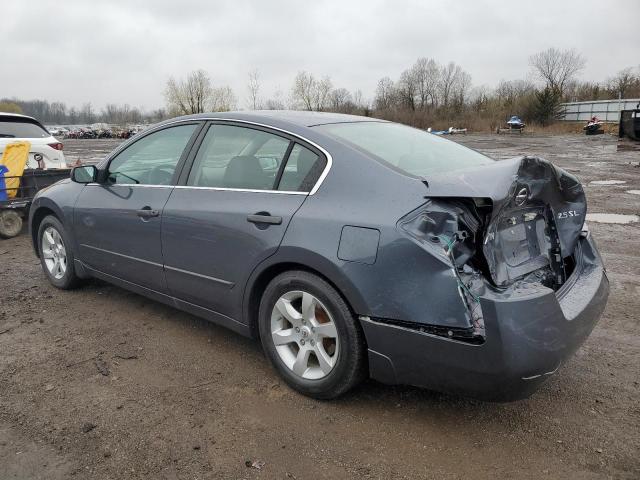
[[15, 158]]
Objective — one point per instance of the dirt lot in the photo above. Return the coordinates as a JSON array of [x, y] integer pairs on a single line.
[[101, 383]]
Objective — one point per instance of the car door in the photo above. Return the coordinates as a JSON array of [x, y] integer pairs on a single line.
[[228, 215], [117, 221]]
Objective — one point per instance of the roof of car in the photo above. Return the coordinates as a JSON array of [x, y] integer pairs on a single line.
[[17, 115], [297, 117]]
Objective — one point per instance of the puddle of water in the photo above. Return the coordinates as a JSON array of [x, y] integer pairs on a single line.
[[607, 182], [612, 218], [634, 192]]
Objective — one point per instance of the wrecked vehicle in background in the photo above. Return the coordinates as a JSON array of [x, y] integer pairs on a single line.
[[349, 246]]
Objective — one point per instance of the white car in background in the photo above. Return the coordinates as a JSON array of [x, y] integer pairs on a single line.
[[56, 131], [46, 150]]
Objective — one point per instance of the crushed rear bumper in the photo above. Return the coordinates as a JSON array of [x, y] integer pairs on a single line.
[[528, 336]]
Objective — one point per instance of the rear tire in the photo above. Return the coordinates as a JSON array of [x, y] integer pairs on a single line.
[[310, 335], [56, 254], [10, 223]]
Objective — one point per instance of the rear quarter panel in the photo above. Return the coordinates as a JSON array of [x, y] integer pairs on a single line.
[[404, 282]]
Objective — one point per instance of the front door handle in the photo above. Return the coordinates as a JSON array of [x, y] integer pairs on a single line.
[[147, 212], [264, 218]]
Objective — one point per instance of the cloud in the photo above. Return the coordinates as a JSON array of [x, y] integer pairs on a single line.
[[124, 51]]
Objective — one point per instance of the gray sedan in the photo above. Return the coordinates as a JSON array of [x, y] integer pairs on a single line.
[[351, 247]]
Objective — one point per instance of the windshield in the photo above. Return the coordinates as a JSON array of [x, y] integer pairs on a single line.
[[410, 150]]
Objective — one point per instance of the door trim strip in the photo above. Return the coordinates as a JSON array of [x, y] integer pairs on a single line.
[[148, 262], [165, 267], [200, 275]]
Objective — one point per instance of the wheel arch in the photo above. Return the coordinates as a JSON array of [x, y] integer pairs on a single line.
[[289, 259], [35, 219]]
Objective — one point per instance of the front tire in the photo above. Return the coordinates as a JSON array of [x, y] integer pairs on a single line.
[[310, 335], [56, 255]]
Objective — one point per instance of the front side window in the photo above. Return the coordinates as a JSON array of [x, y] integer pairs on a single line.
[[410, 150], [152, 160], [238, 157]]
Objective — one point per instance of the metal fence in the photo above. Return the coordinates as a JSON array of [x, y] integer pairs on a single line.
[[605, 110]]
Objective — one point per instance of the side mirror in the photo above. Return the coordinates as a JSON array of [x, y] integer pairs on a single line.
[[84, 174]]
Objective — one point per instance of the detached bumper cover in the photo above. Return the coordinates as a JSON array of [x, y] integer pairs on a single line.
[[528, 336]]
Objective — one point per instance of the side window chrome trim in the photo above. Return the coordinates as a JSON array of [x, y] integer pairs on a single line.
[[225, 189], [327, 155], [189, 187], [140, 185]]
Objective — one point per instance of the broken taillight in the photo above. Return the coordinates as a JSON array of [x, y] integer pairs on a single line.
[[56, 145], [451, 229]]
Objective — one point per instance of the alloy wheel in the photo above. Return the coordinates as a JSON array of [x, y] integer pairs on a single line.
[[305, 335], [54, 253]]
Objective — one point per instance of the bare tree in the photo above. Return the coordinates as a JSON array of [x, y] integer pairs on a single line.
[[385, 97], [359, 101], [157, 115], [425, 74], [340, 100], [73, 115], [58, 112], [254, 90], [110, 113], [508, 91], [87, 113], [461, 87], [557, 67], [449, 77], [303, 90], [309, 93], [323, 91], [223, 99], [479, 98], [623, 82], [407, 88], [582, 91], [276, 102], [192, 95]]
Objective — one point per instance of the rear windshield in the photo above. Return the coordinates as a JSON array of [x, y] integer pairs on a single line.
[[410, 150], [18, 128]]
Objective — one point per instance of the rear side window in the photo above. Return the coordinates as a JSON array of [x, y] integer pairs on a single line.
[[19, 128], [302, 170], [412, 151], [238, 157]]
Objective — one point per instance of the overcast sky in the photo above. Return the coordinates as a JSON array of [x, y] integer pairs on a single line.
[[124, 51]]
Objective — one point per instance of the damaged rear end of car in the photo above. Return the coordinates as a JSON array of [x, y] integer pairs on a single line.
[[525, 282]]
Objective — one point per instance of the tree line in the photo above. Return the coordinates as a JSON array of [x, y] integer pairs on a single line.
[[426, 93], [58, 113]]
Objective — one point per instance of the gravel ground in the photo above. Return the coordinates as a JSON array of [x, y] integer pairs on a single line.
[[101, 383]]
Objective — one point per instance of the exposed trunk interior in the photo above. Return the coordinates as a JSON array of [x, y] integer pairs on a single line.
[[506, 243]]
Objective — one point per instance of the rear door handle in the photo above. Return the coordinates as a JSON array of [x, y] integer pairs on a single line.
[[264, 218], [147, 212]]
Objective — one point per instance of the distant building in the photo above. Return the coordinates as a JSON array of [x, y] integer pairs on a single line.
[[605, 110]]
